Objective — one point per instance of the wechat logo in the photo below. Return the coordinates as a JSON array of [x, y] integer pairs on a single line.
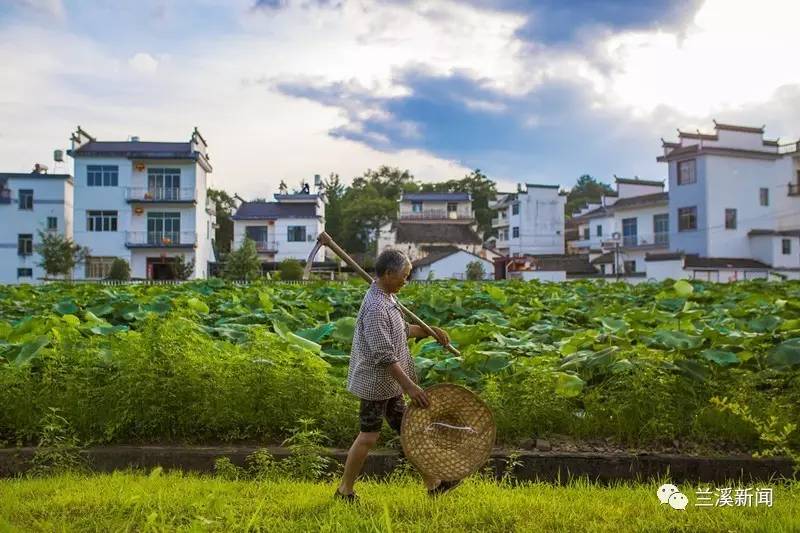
[[670, 494]]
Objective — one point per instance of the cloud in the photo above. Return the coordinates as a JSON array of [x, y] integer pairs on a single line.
[[53, 8], [143, 63]]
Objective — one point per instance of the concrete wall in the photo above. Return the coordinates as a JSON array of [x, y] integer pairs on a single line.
[[453, 266], [694, 194], [628, 190], [541, 275], [52, 197], [661, 270]]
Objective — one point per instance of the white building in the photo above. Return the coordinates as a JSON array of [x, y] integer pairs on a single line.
[[530, 221], [284, 229], [448, 263], [625, 227], [144, 202], [432, 220], [30, 203], [734, 199]]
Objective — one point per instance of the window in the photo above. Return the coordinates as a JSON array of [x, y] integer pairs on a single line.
[[24, 272], [257, 233], [515, 232], [629, 266], [98, 267], [452, 207], [164, 183], [730, 219], [786, 246], [52, 223], [101, 221], [102, 175], [629, 232], [163, 228], [26, 198], [661, 228], [297, 234], [25, 244], [586, 232], [416, 207], [687, 172], [599, 230], [687, 218], [515, 208], [764, 195]]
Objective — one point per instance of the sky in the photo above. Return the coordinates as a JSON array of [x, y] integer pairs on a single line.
[[525, 91]]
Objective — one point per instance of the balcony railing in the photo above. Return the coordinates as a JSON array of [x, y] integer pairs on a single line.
[[160, 194], [435, 214], [264, 247], [499, 221], [160, 239], [794, 189], [641, 240]]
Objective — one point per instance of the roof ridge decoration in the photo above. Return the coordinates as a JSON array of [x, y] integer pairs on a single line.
[[734, 127]]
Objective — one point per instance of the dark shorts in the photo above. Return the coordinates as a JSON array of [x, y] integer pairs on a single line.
[[372, 413]]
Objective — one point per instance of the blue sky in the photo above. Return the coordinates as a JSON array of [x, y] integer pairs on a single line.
[[525, 90]]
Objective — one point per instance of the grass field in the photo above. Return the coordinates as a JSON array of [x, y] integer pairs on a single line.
[[175, 501]]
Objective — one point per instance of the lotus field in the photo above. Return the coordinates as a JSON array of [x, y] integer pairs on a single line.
[[689, 366]]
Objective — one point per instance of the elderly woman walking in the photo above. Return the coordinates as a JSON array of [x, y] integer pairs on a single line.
[[381, 368]]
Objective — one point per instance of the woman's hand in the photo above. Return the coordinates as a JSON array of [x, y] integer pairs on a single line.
[[441, 336], [417, 395]]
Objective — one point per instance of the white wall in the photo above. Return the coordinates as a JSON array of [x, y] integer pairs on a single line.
[[278, 233], [52, 197], [543, 275], [540, 221], [453, 266], [194, 217], [661, 270], [628, 190]]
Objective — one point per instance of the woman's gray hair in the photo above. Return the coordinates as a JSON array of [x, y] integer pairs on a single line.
[[390, 262]]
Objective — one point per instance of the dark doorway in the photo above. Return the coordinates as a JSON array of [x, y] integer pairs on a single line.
[[160, 268]]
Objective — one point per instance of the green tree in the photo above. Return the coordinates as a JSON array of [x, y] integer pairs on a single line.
[[59, 254], [181, 268], [334, 204], [224, 204], [482, 190], [371, 202], [243, 263], [291, 270], [120, 270], [586, 190], [475, 271]]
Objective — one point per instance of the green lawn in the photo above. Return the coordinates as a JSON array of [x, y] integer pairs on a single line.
[[176, 501]]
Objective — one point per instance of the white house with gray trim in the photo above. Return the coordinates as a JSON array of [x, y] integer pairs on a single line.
[[142, 201], [529, 221], [30, 203], [284, 229], [734, 198]]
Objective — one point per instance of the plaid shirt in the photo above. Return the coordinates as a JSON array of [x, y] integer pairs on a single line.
[[380, 339]]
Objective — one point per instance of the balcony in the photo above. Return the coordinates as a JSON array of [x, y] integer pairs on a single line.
[[160, 195], [500, 222], [435, 214], [642, 241], [794, 189], [160, 239], [262, 247], [5, 196]]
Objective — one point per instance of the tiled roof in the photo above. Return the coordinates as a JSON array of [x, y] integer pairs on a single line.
[[732, 127], [139, 147], [569, 263], [436, 233], [274, 210], [782, 233], [641, 201], [436, 253], [604, 259], [436, 196], [694, 261], [5, 176], [627, 181]]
